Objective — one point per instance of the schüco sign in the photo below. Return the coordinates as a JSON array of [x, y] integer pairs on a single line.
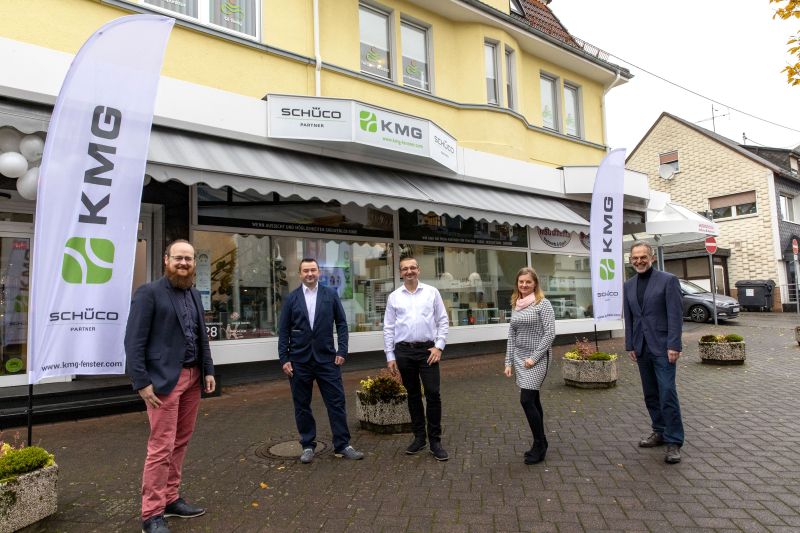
[[350, 121]]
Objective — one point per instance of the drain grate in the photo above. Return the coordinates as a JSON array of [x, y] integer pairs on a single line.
[[286, 450]]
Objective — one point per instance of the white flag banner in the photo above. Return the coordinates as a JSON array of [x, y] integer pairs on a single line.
[[608, 271], [87, 209]]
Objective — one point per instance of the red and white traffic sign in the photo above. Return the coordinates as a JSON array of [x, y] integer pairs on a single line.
[[711, 245], [794, 246]]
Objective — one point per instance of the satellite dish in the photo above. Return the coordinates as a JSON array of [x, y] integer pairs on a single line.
[[666, 172]]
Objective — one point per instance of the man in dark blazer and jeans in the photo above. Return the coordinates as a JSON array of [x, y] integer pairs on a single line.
[[306, 351], [168, 361], [653, 327]]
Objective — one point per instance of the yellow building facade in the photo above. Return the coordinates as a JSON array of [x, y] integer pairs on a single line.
[[479, 106]]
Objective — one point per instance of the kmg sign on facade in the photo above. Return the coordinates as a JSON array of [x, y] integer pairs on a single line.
[[350, 121]]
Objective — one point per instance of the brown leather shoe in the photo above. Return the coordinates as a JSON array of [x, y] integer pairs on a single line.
[[673, 454], [655, 439]]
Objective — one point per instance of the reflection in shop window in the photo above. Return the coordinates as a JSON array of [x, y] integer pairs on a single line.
[[567, 282], [244, 279], [475, 284]]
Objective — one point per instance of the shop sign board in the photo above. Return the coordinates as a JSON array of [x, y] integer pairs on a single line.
[[331, 119]]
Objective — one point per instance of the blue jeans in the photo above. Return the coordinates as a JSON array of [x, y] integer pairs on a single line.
[[661, 395]]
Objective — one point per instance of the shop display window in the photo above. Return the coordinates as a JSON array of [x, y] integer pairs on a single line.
[[418, 226], [475, 284], [251, 210], [243, 280], [567, 282]]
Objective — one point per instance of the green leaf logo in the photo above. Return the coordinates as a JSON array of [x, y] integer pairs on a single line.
[[607, 269], [87, 260], [230, 8], [368, 121], [21, 303]]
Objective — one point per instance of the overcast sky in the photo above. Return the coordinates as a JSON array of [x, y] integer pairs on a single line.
[[731, 51]]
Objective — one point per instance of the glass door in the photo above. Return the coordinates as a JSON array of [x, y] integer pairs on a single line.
[[15, 269]]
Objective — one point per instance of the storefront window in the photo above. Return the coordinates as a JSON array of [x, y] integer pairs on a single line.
[[567, 282], [475, 284], [250, 210], [243, 280], [418, 226], [240, 16]]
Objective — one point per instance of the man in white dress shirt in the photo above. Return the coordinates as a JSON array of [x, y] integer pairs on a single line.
[[414, 332]]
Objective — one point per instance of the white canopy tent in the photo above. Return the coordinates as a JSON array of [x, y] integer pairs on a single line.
[[667, 222]]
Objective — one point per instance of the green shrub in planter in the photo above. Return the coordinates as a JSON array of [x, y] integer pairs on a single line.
[[15, 462]]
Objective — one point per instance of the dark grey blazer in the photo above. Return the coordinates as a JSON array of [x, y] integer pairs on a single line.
[[659, 321], [154, 340]]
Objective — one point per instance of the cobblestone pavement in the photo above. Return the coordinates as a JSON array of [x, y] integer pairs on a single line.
[[740, 469]]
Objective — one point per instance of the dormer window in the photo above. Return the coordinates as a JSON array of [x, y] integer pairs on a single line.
[[515, 7], [794, 165]]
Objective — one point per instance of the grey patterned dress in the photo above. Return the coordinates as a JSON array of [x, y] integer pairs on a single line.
[[530, 334]]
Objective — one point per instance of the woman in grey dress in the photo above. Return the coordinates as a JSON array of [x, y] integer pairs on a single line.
[[529, 351]]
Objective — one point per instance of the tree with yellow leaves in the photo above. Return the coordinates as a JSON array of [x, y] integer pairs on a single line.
[[790, 9]]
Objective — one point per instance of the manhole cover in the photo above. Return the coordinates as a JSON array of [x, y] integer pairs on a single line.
[[286, 450]]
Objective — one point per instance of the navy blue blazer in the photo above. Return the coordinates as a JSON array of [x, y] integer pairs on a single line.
[[154, 341], [298, 341], [659, 321]]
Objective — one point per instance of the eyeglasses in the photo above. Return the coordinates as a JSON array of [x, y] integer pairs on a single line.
[[180, 258]]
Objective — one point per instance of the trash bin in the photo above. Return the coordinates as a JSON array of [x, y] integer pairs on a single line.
[[755, 294]]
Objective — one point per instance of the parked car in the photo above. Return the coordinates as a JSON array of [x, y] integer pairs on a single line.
[[698, 303]]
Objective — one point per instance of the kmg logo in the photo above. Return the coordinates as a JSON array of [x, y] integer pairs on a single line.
[[607, 268], [368, 121], [87, 260]]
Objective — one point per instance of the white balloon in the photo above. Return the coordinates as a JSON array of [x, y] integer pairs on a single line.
[[13, 164], [27, 184], [31, 146], [9, 140]]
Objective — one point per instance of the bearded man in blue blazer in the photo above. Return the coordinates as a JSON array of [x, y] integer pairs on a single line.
[[653, 327], [168, 362], [306, 351]]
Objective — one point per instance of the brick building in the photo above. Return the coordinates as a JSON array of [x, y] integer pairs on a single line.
[[751, 194]]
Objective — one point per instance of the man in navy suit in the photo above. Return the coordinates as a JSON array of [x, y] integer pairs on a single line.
[[168, 360], [653, 325], [306, 351]]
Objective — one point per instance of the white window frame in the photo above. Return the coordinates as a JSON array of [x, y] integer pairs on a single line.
[[426, 29], [390, 39], [511, 78], [204, 18], [578, 96], [790, 208], [515, 7], [556, 102], [734, 214], [494, 46]]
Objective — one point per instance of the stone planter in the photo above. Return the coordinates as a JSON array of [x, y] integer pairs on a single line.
[[722, 353], [384, 417], [589, 374], [28, 498]]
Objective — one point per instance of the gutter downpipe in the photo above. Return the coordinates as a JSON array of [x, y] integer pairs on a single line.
[[317, 56], [605, 125]]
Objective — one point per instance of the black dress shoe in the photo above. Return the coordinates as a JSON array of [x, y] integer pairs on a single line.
[[155, 524], [438, 452], [417, 446], [536, 454], [181, 509], [653, 440]]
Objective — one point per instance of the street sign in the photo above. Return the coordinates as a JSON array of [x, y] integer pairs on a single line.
[[711, 245], [795, 249]]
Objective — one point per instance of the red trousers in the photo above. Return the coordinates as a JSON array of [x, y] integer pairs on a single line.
[[171, 427]]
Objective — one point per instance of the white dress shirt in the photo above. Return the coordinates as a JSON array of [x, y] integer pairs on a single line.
[[417, 316], [311, 302]]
